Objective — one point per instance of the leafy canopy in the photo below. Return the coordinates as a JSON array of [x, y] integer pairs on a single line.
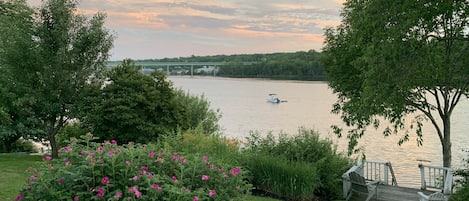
[[394, 58], [48, 55], [132, 106]]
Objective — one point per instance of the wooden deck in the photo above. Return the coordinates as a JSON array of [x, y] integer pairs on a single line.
[[393, 193]]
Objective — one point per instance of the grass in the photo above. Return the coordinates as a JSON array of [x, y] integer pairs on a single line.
[[13, 168]]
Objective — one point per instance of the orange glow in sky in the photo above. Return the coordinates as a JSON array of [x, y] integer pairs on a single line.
[[154, 29]]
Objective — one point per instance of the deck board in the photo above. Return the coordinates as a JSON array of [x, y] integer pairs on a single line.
[[393, 193]]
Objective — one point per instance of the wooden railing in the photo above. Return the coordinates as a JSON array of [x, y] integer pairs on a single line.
[[437, 178], [379, 171], [371, 170]]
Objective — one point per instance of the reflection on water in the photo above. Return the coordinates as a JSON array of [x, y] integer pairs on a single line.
[[244, 109]]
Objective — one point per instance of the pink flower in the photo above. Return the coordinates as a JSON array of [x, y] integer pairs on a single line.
[[118, 195], [135, 178], [174, 178], [19, 197], [137, 193], [150, 175], [47, 158], [205, 177], [131, 189], [82, 151], [205, 158], [127, 163], [60, 180], [105, 180], [100, 192], [76, 198], [151, 154], [100, 148], [144, 168], [196, 198], [111, 153], [67, 163], [113, 142], [212, 193], [50, 166], [235, 171], [91, 154], [157, 187]]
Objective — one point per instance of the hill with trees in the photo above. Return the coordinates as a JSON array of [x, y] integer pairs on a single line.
[[301, 65]]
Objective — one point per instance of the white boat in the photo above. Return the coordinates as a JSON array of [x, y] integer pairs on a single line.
[[272, 98]]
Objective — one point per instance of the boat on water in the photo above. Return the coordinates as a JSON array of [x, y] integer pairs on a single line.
[[272, 98]]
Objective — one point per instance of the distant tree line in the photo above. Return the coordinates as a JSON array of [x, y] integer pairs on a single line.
[[302, 65]]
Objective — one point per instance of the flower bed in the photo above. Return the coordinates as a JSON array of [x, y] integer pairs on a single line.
[[108, 171]]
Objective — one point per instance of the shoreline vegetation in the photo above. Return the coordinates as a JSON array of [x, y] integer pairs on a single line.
[[260, 162], [300, 65]]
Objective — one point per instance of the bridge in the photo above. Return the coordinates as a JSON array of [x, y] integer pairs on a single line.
[[152, 65], [433, 179]]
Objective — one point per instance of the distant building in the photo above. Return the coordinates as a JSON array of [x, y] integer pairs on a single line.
[[207, 70]]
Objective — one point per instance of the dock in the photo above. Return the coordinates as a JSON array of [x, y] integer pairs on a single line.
[[393, 193], [432, 179]]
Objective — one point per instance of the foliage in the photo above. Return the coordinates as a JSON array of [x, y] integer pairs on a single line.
[[107, 171], [21, 145], [132, 107], [461, 195], [301, 65], [198, 112], [15, 111], [292, 66], [72, 130], [306, 147], [215, 146], [461, 182], [391, 59], [291, 180], [14, 173], [49, 56]]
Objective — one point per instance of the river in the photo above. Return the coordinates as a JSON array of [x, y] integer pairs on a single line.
[[244, 109]]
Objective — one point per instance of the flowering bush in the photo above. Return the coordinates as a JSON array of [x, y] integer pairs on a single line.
[[107, 171]]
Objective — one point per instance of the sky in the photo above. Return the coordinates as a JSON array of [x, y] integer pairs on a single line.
[[156, 29]]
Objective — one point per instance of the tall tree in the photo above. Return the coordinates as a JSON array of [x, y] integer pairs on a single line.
[[395, 58], [67, 51], [16, 46], [132, 106]]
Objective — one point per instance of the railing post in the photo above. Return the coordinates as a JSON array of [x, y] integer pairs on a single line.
[[423, 185], [386, 172], [448, 185]]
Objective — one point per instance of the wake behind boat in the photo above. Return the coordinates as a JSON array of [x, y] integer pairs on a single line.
[[272, 98]]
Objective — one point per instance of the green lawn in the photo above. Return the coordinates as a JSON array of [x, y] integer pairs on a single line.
[[13, 169]]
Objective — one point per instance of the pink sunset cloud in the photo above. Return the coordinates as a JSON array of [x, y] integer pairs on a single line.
[[176, 28]]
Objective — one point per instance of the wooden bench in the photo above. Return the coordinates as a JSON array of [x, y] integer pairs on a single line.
[[432, 197], [359, 185]]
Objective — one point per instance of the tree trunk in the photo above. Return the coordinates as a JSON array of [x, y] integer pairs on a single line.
[[446, 143], [53, 145], [6, 146]]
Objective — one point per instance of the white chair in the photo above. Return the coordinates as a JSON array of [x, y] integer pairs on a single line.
[[360, 185], [432, 197]]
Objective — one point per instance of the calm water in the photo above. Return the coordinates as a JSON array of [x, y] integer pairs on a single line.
[[244, 109]]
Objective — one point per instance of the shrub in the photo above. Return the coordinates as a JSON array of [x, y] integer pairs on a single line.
[[462, 183], [307, 147], [290, 180], [198, 112], [107, 171], [22, 145], [226, 150], [131, 107], [73, 130]]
